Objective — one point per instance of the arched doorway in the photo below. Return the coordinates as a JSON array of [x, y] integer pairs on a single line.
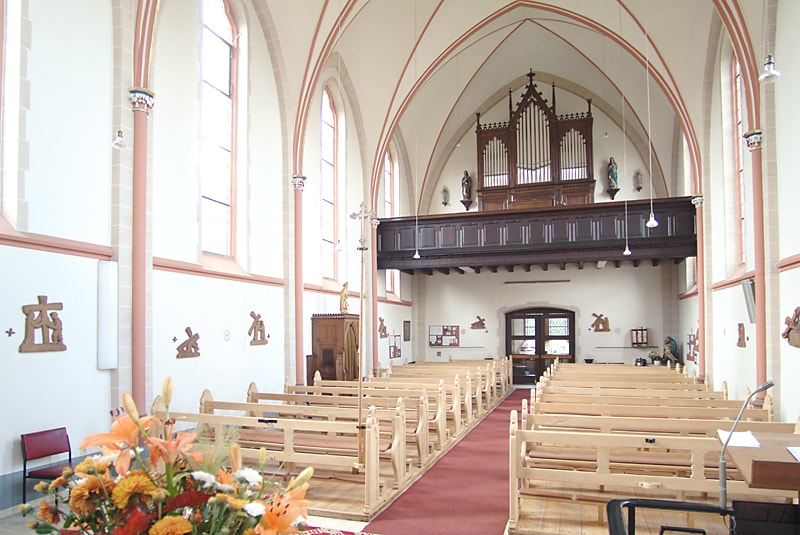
[[535, 337]]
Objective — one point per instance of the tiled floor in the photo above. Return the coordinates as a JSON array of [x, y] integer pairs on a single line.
[[13, 523]]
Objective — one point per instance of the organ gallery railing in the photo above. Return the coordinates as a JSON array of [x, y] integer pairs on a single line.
[[538, 158]]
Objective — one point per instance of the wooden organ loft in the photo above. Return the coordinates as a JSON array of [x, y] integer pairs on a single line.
[[535, 190], [537, 159]]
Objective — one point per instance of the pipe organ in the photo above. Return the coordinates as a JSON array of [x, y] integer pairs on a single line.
[[537, 159]]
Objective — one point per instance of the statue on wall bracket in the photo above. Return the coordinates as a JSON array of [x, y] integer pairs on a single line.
[[613, 178], [466, 190]]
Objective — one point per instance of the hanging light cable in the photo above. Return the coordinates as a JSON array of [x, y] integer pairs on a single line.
[[416, 149], [652, 222], [627, 251]]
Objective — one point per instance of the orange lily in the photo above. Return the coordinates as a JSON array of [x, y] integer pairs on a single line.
[[168, 450], [283, 511], [123, 438]]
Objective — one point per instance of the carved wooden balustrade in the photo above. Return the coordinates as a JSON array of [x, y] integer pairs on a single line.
[[557, 236]]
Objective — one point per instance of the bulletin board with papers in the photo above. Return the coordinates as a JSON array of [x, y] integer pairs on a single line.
[[443, 335]]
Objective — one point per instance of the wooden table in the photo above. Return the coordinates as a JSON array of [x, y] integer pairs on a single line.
[[769, 466]]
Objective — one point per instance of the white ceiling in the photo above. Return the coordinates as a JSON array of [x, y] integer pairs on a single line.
[[417, 71]]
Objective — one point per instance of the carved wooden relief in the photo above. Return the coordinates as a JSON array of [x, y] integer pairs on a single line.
[[189, 347], [43, 327], [792, 332], [257, 331], [600, 324]]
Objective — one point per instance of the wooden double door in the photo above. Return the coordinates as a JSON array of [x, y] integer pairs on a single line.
[[535, 337]]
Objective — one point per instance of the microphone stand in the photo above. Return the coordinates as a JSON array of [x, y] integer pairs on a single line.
[[723, 476]]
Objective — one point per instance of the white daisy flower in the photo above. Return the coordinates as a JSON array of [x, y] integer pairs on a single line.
[[248, 474], [207, 479], [255, 509]]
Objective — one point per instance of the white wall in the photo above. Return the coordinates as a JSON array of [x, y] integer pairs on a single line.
[[219, 311], [70, 72], [630, 297], [56, 388]]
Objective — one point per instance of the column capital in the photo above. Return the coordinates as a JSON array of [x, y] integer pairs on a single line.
[[141, 98], [753, 138], [298, 182]]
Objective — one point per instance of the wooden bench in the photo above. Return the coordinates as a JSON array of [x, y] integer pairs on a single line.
[[325, 407], [571, 370], [489, 377], [445, 398], [391, 426], [601, 408], [335, 446], [52, 444], [464, 397], [665, 426], [583, 464], [547, 397], [648, 390]]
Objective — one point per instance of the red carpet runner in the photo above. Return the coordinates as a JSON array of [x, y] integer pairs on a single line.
[[466, 491]]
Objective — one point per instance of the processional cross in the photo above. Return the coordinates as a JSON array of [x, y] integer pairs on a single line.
[[363, 215]]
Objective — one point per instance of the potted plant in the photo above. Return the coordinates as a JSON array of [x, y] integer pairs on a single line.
[[656, 358]]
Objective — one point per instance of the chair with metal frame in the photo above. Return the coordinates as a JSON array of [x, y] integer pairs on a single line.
[[40, 445]]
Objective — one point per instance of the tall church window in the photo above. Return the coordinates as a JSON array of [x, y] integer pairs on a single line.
[[738, 163], [328, 139], [389, 203], [216, 129]]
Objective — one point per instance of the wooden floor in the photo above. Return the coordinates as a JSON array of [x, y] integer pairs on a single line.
[[542, 517]]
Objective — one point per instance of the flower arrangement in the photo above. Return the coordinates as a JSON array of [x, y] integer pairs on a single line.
[[180, 487]]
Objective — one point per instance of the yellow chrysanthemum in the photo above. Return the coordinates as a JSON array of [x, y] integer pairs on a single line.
[[59, 482], [135, 483], [83, 497], [234, 503], [171, 525], [89, 466], [41, 486], [49, 512]]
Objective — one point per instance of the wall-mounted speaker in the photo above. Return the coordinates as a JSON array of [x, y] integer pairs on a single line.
[[749, 288]]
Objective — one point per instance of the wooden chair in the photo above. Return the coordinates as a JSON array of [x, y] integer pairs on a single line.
[[39, 445]]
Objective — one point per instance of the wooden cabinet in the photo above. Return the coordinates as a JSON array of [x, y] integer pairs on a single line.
[[334, 346]]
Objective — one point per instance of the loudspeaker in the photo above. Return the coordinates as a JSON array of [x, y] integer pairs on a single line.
[[749, 288]]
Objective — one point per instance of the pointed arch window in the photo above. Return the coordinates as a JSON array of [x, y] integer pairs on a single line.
[[216, 128], [328, 139], [390, 193], [738, 159]]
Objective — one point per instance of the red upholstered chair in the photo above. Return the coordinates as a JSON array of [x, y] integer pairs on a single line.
[[39, 445]]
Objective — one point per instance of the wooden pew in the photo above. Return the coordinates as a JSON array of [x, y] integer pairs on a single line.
[[547, 397], [452, 403], [583, 464], [417, 414], [386, 418], [464, 397], [676, 389], [667, 426], [651, 411], [437, 405], [324, 445], [495, 373], [464, 393]]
